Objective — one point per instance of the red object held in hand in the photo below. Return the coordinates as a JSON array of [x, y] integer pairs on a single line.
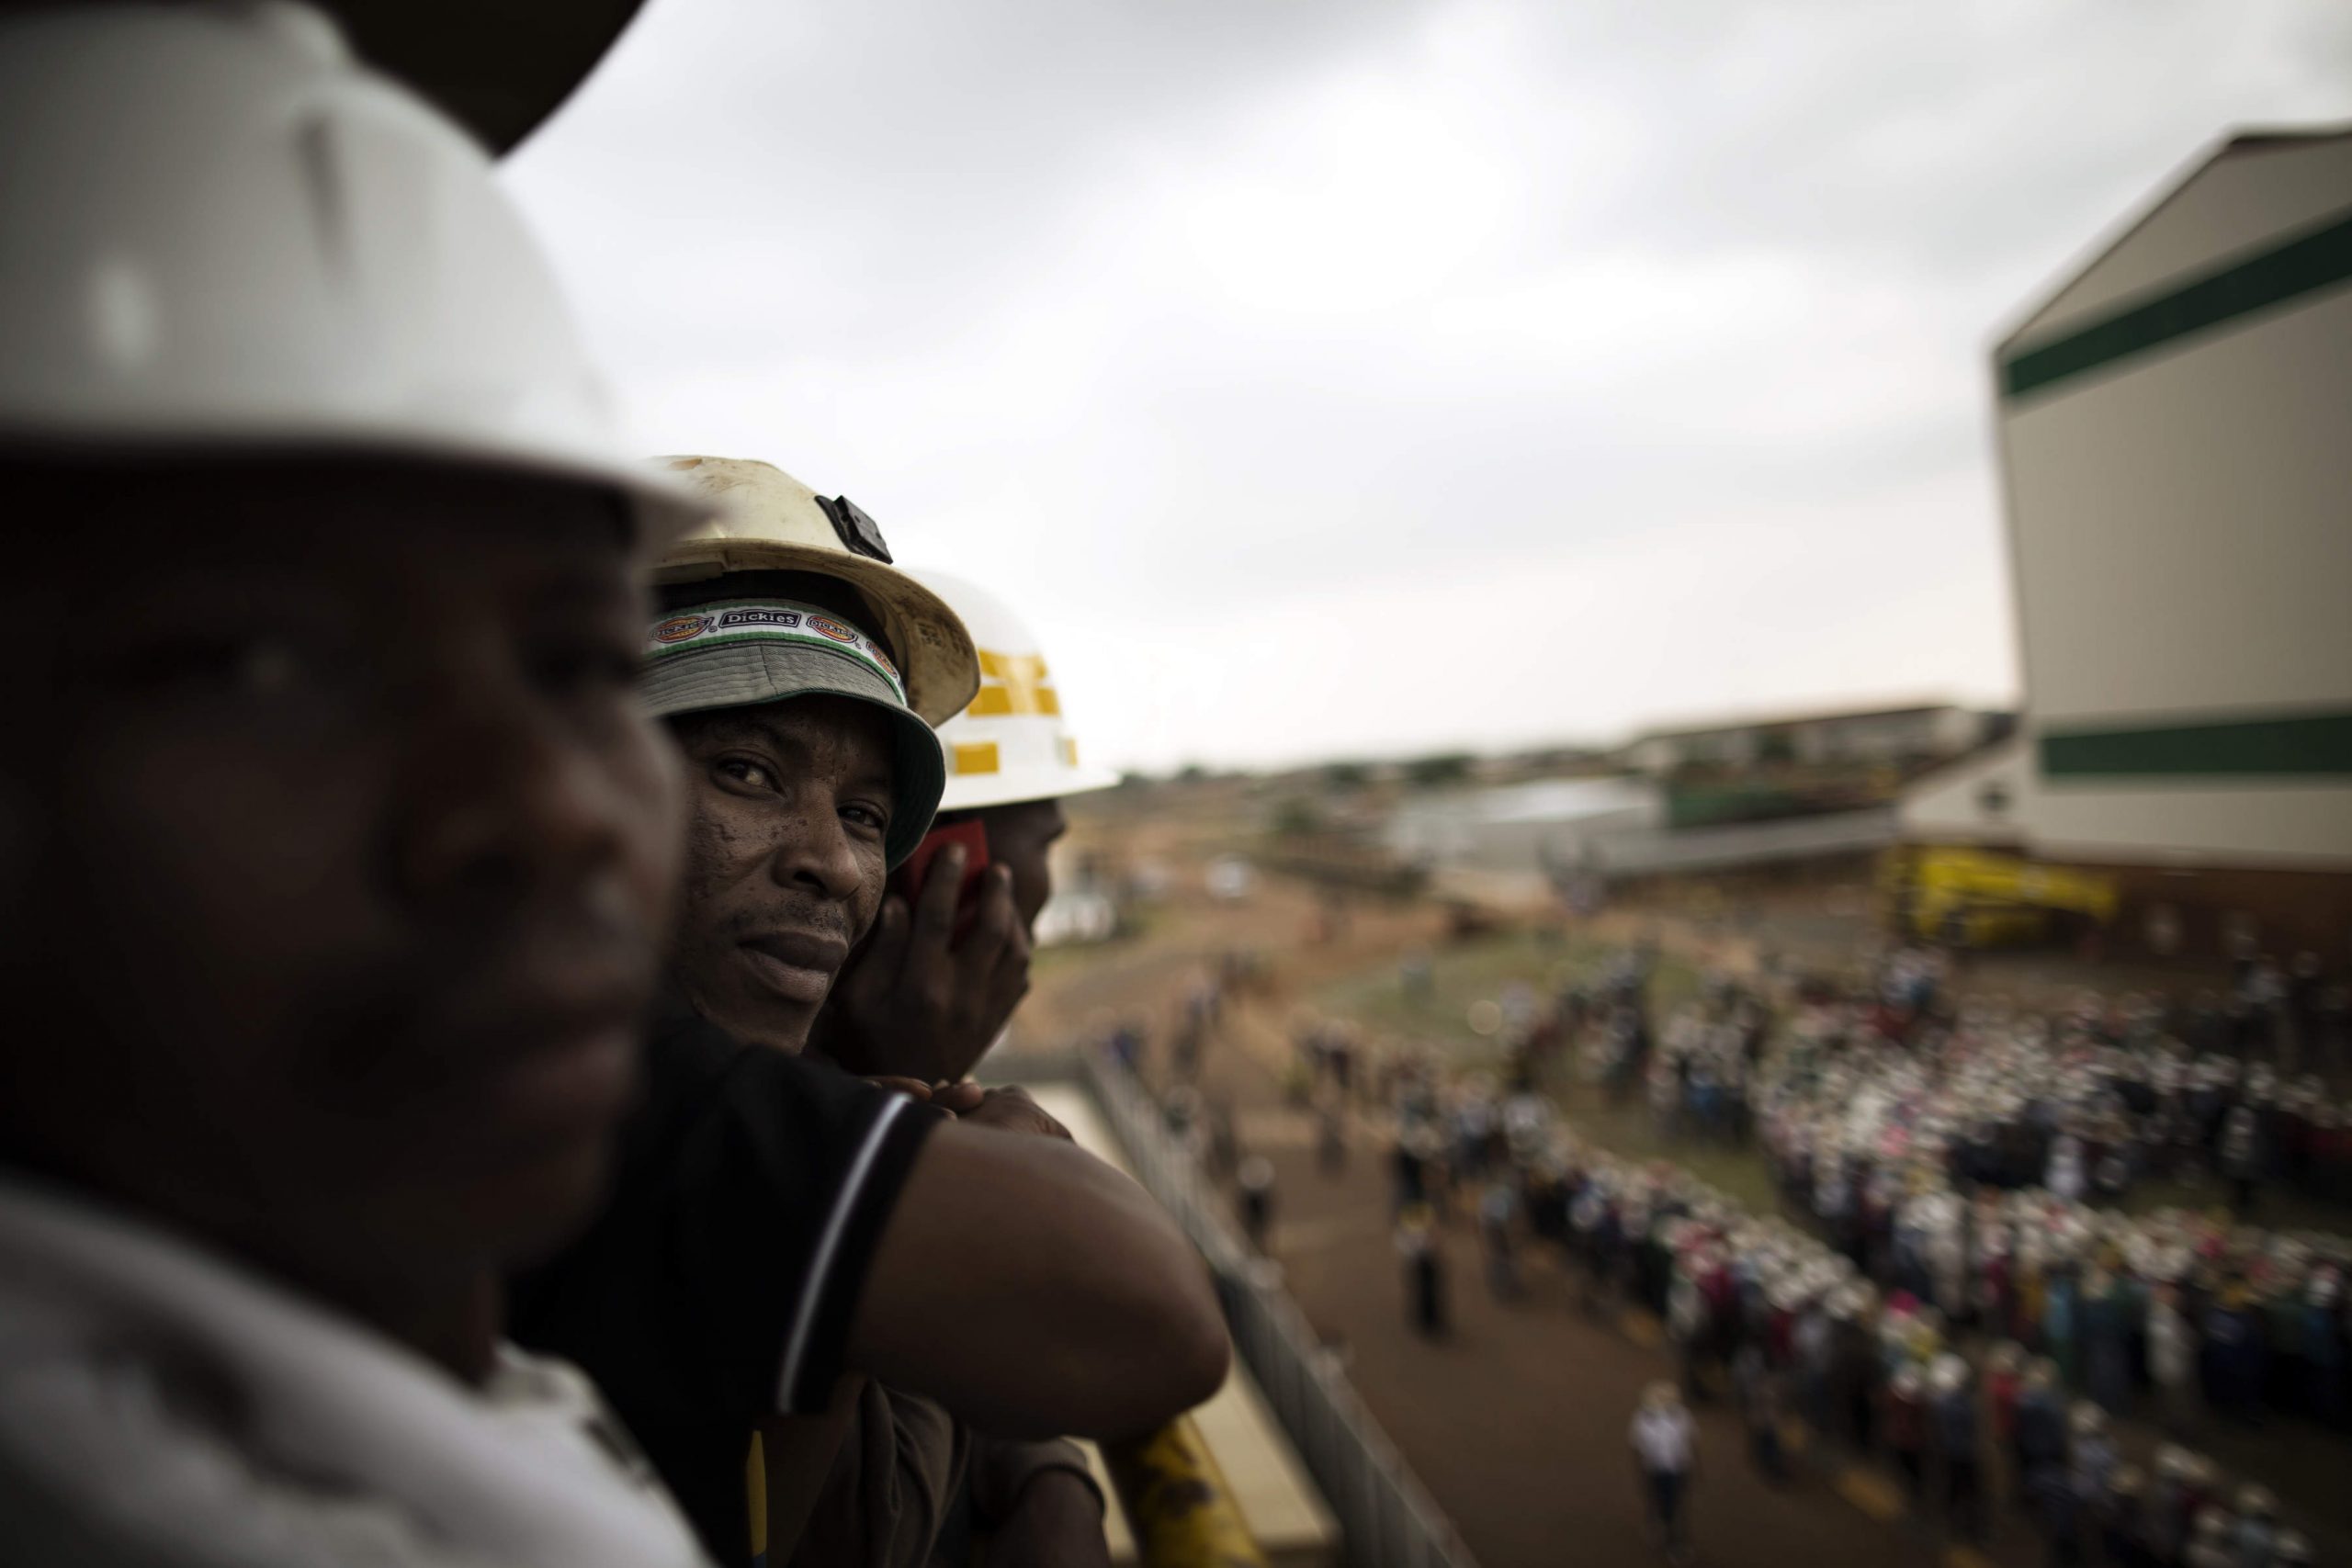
[[908, 881]]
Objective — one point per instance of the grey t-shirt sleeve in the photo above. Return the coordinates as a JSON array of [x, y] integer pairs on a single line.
[[899, 1470]]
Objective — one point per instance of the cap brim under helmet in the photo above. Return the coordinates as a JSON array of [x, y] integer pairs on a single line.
[[683, 678], [933, 647]]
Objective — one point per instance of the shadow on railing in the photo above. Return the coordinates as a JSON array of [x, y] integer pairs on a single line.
[[1386, 1519]]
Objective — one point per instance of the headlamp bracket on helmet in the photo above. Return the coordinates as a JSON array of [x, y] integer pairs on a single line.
[[859, 532]]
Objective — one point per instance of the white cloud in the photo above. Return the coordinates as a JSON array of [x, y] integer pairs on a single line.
[[1640, 348]]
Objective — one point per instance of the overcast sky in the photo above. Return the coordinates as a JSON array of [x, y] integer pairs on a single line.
[[1367, 379]]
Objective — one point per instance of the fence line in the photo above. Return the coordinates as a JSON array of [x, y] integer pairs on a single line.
[[1388, 1518]]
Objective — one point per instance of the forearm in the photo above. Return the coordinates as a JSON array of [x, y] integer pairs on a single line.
[[1035, 1291]]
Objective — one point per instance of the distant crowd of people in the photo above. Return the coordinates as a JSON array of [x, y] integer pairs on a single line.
[[1871, 1365], [2087, 1101], [1795, 1329], [1931, 1296]]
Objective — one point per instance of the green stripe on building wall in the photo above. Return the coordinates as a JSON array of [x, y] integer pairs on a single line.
[[2319, 259], [2312, 744]]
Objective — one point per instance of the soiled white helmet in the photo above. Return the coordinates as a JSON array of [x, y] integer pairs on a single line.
[[219, 232], [765, 520], [1012, 742]]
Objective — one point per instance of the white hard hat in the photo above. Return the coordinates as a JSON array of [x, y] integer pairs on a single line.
[[1010, 744], [223, 234], [768, 521]]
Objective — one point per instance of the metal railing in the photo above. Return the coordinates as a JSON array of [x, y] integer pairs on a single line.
[[1386, 1519]]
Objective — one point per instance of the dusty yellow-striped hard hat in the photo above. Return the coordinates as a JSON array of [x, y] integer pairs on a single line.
[[768, 521]]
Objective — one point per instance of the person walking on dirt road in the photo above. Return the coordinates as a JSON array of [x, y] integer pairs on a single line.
[[1424, 1272], [1666, 1453], [1497, 1216], [1256, 1180]]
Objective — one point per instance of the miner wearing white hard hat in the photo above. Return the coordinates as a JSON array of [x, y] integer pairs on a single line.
[[788, 653], [800, 672], [789, 605], [919, 999], [1012, 758], [337, 848], [336, 852]]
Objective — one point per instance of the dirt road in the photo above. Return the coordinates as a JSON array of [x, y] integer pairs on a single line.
[[1518, 1421]]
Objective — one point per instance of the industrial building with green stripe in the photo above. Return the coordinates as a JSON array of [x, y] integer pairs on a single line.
[[2177, 471]]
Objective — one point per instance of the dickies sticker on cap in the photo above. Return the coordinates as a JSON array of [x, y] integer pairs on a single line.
[[717, 626]]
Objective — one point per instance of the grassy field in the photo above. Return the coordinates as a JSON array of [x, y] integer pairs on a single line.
[[1479, 970], [1466, 973]]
